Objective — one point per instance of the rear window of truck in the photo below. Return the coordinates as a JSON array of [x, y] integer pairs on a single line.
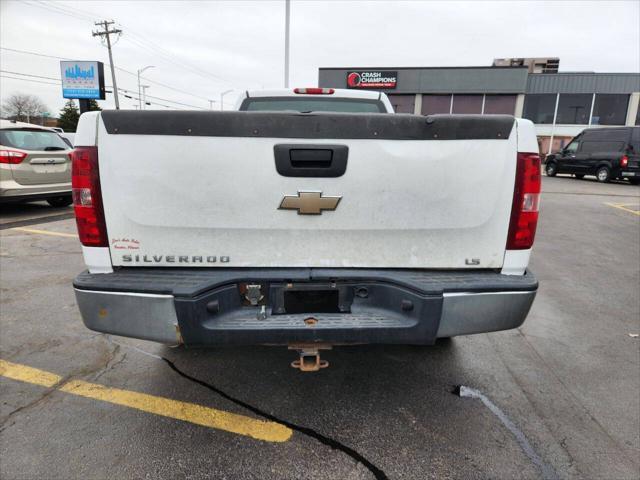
[[37, 140], [310, 104]]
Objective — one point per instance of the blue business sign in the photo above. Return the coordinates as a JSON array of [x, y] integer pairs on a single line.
[[82, 80]]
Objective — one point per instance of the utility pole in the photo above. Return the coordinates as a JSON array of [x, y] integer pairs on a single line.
[[98, 33], [286, 42]]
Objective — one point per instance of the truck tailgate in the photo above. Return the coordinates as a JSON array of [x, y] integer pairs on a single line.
[[202, 190]]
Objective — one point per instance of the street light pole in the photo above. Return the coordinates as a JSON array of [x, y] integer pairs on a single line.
[[222, 98], [144, 96], [286, 42], [139, 91], [211, 102]]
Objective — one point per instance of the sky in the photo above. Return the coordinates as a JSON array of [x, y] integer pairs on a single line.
[[203, 48]]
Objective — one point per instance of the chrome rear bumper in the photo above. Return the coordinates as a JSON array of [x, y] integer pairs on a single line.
[[443, 305]]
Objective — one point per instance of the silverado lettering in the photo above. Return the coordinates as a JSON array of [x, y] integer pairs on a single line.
[[172, 258]]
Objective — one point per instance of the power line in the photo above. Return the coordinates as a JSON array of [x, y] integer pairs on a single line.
[[58, 85], [59, 82], [133, 97], [29, 80], [56, 9], [27, 52], [29, 75], [164, 99], [74, 12], [141, 41], [33, 53], [148, 45]]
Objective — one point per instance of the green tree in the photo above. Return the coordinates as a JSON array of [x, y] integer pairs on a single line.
[[69, 116], [93, 106]]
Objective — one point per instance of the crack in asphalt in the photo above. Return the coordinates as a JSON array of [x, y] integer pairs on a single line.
[[330, 442], [108, 367], [45, 396], [35, 402]]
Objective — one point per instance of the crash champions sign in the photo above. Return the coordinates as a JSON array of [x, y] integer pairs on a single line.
[[372, 79]]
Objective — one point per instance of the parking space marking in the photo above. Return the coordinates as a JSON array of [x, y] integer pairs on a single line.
[[26, 374], [623, 206], [188, 412], [45, 232]]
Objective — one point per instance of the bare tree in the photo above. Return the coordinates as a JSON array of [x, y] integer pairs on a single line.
[[22, 106]]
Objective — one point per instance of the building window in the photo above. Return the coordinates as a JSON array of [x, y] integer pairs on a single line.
[[403, 103], [610, 109], [638, 117], [467, 104], [539, 108], [574, 108], [432, 104], [496, 104]]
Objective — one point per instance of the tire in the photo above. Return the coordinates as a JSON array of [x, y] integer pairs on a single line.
[[603, 174], [551, 169], [634, 181], [579, 176], [62, 201]]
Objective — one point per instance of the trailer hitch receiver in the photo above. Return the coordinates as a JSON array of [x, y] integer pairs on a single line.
[[309, 360]]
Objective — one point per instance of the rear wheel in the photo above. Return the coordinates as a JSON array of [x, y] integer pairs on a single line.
[[579, 176], [634, 181], [61, 201], [603, 174], [551, 169]]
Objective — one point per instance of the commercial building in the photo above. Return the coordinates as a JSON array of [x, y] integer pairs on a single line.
[[560, 105]]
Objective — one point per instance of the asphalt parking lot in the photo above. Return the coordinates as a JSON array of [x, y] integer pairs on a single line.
[[557, 398]]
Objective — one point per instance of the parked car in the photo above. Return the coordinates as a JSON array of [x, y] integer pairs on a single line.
[[304, 227], [34, 164], [607, 153]]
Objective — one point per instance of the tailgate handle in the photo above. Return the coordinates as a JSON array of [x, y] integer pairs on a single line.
[[310, 158], [299, 160]]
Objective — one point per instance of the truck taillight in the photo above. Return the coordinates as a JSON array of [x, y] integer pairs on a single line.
[[314, 91], [624, 161], [11, 156], [526, 200], [87, 197]]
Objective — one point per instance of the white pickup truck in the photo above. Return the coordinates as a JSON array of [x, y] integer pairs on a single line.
[[308, 218]]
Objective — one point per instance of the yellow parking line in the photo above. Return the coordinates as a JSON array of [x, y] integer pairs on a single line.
[[23, 373], [623, 206], [45, 232], [165, 407]]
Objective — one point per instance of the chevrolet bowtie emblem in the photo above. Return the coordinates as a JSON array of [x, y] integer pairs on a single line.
[[309, 203]]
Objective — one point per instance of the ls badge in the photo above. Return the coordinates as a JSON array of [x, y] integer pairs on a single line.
[[309, 203]]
